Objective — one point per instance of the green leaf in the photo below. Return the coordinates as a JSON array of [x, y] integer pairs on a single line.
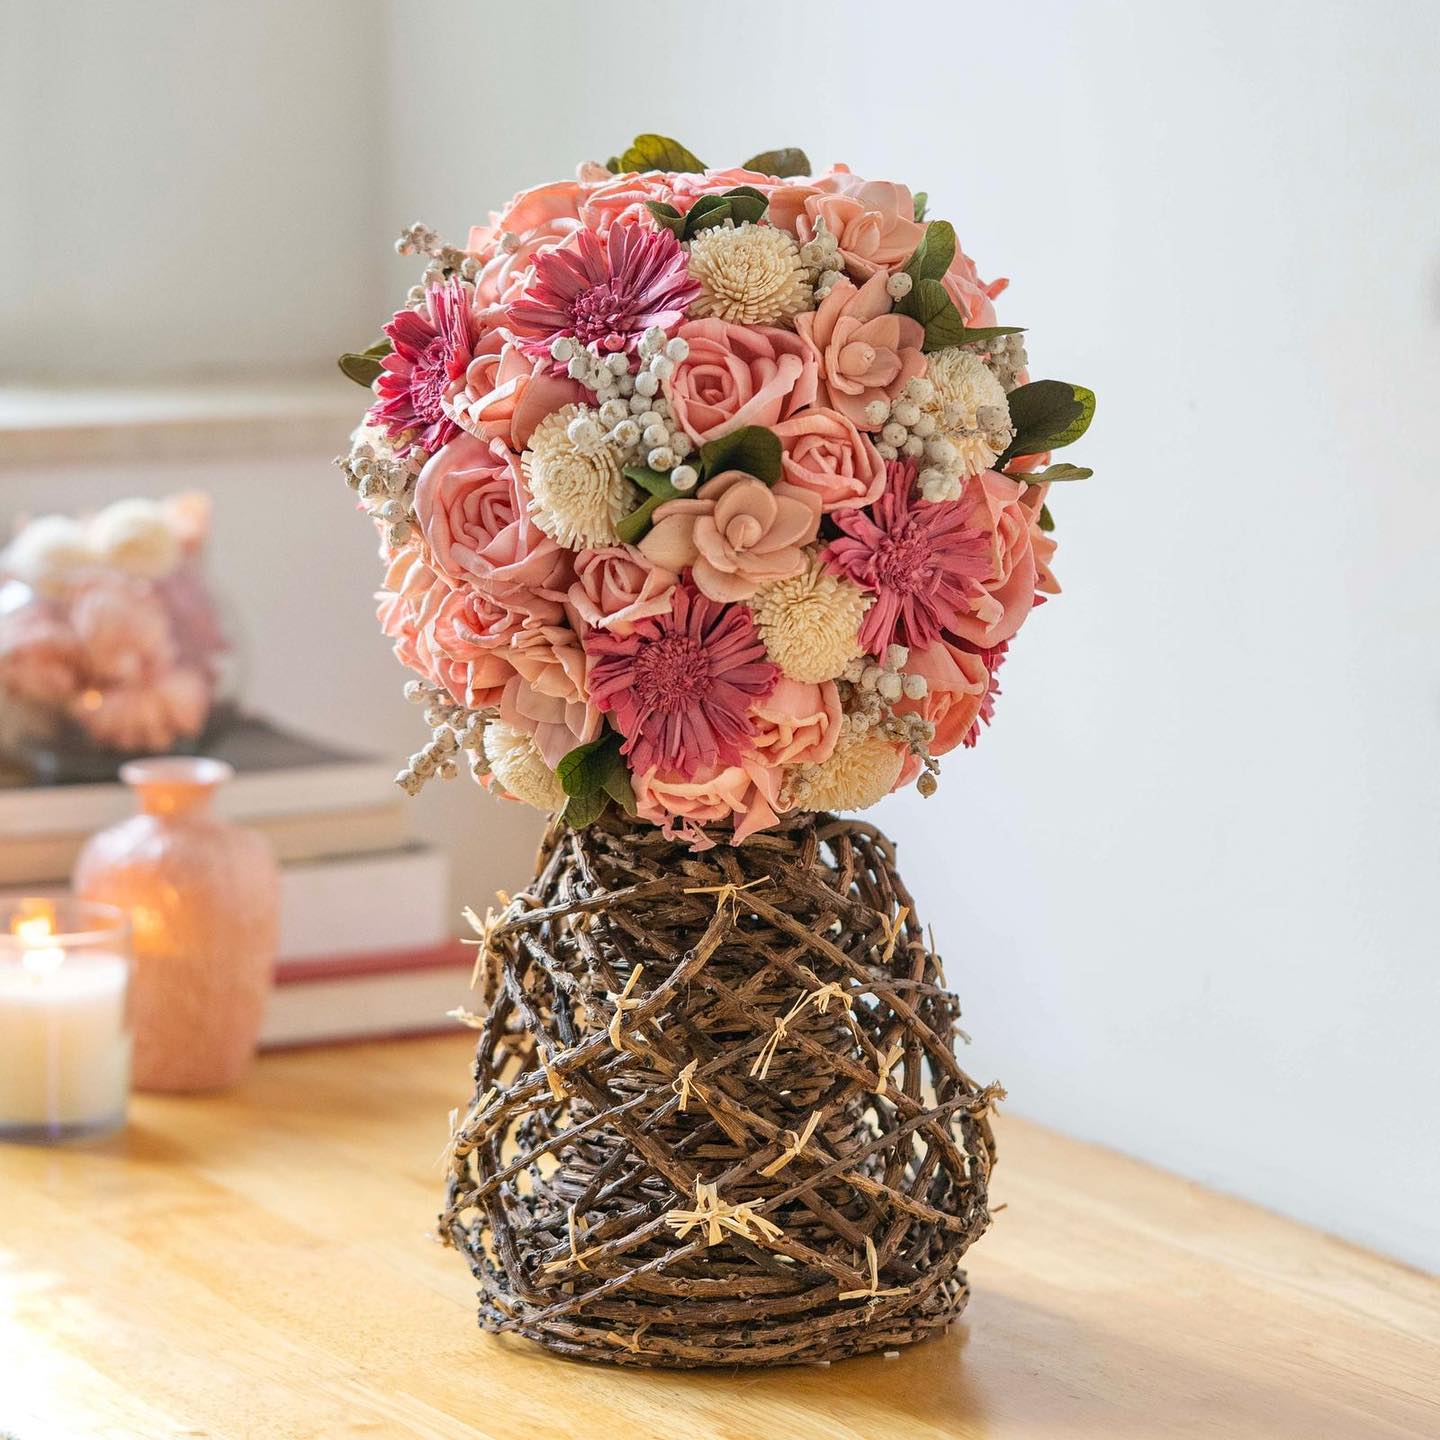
[[752, 448], [613, 164], [1054, 473], [928, 303], [982, 333], [705, 213], [784, 163], [746, 203], [582, 771], [934, 253], [921, 201], [616, 782], [652, 482], [659, 152], [583, 810], [1047, 414], [668, 216], [1047, 520], [632, 528], [363, 366]]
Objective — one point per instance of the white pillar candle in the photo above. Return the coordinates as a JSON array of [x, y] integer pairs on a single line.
[[64, 1036]]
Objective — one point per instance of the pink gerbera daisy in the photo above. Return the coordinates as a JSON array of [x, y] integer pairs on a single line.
[[679, 687], [921, 560], [432, 348], [604, 290]]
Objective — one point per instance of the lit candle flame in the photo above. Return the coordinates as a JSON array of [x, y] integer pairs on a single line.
[[37, 957]]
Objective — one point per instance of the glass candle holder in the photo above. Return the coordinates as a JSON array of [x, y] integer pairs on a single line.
[[64, 1019]]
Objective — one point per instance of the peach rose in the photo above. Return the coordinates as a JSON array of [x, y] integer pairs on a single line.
[[1041, 544], [616, 586], [535, 220], [957, 683], [872, 220], [471, 506], [40, 658], [505, 393], [622, 201], [552, 700], [745, 793], [409, 591], [149, 715], [865, 352], [466, 642], [124, 633], [797, 723], [737, 534], [824, 453], [686, 189], [737, 375], [972, 296], [1000, 601]]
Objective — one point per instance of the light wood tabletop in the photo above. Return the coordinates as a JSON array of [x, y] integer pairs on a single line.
[[259, 1265]]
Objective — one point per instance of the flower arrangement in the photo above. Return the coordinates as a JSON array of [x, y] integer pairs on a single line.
[[712, 494], [109, 639]]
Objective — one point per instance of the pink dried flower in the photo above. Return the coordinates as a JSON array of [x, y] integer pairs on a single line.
[[679, 687], [432, 347], [921, 561], [605, 290], [992, 659]]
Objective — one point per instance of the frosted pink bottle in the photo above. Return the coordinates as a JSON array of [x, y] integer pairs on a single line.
[[204, 900]]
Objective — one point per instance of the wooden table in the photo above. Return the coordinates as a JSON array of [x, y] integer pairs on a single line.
[[259, 1265]]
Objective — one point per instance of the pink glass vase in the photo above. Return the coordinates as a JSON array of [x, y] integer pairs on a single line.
[[203, 896]]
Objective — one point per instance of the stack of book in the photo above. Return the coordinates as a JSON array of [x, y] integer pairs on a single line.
[[366, 945]]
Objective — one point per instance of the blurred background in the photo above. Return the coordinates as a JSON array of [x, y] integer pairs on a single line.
[[1188, 886]]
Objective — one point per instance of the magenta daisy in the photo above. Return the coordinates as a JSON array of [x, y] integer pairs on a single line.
[[680, 686], [605, 290], [432, 347], [923, 561]]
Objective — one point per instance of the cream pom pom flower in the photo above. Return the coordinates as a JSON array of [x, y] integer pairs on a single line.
[[748, 275], [520, 769], [47, 551], [810, 622], [862, 770], [578, 494], [135, 536], [969, 407]]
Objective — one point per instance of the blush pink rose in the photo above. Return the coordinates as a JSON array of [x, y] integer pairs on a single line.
[[505, 393], [124, 633], [535, 220], [616, 586], [957, 682], [872, 220], [737, 534], [410, 591], [797, 723], [468, 642], [40, 658], [823, 452], [471, 507], [998, 602], [553, 702], [737, 375], [147, 715], [865, 351], [745, 794], [689, 188], [623, 200]]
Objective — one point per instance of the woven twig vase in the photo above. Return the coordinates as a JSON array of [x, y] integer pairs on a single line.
[[718, 1118]]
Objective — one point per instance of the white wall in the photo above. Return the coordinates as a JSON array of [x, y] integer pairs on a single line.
[[1187, 886]]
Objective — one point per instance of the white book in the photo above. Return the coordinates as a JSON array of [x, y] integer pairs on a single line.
[[365, 903]]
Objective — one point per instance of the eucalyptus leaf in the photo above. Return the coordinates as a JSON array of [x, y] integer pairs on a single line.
[[659, 152], [364, 365], [668, 216], [921, 201], [632, 528], [752, 448], [652, 482], [783, 163], [1047, 520], [1055, 472], [1047, 414], [932, 256], [583, 810], [582, 771]]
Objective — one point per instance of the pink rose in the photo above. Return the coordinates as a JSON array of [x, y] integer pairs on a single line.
[[622, 201], [873, 220], [737, 375], [404, 596], [957, 682], [40, 658], [746, 794], [797, 723], [553, 701], [472, 509], [146, 715], [123, 631], [999, 513], [505, 393], [689, 188], [737, 533], [971, 295], [468, 641], [824, 453], [619, 585], [864, 350]]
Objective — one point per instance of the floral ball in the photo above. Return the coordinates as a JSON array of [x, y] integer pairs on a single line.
[[708, 494]]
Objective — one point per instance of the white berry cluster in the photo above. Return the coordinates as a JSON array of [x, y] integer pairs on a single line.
[[1006, 357], [453, 731], [633, 415], [886, 677], [384, 482], [445, 260], [909, 429], [821, 256]]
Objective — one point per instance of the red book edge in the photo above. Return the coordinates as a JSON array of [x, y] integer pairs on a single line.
[[448, 954]]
